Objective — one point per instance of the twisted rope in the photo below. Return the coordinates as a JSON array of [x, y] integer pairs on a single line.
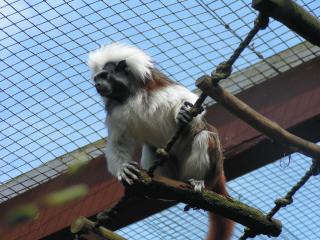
[[222, 71]]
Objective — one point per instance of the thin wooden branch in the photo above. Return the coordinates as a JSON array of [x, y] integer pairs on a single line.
[[158, 187], [161, 188], [83, 225], [293, 16], [256, 120]]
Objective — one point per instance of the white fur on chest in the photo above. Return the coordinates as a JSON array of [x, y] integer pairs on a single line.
[[151, 117]]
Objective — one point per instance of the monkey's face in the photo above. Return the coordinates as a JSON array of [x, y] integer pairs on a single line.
[[113, 81]]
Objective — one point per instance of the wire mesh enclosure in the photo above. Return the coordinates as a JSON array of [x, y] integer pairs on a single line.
[[50, 113]]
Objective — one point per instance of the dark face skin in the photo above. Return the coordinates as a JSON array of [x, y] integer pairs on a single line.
[[115, 82]]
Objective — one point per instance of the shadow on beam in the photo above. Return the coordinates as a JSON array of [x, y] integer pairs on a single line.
[[266, 151]]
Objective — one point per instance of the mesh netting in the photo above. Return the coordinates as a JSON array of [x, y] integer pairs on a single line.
[[50, 113]]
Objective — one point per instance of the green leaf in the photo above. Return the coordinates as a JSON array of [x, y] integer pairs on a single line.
[[78, 165], [21, 214], [66, 195]]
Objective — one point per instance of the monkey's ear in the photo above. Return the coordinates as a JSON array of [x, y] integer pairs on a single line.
[[121, 66]]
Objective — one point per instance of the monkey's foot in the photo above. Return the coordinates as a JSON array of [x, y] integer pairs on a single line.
[[128, 172], [198, 185]]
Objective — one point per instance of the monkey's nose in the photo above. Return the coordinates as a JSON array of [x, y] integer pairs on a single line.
[[103, 88], [99, 86]]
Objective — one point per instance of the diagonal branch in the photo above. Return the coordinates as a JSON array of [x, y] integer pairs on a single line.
[[256, 120], [159, 187]]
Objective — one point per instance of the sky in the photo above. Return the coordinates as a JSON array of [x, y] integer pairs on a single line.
[[48, 105]]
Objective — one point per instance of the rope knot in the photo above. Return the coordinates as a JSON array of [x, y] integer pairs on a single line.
[[283, 201], [248, 233], [222, 71], [194, 110], [162, 153]]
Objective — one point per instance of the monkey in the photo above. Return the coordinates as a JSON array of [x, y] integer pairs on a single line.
[[144, 108]]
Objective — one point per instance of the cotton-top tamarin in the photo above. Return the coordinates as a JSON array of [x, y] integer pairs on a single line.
[[145, 108]]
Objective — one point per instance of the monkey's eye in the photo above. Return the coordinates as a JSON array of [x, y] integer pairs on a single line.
[[101, 75], [121, 66]]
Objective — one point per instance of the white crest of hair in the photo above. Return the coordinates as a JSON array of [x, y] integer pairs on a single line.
[[138, 61]]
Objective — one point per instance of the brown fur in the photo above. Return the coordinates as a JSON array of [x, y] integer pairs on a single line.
[[220, 228], [158, 80], [215, 152]]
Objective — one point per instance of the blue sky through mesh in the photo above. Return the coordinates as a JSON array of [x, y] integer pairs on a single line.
[[48, 105]]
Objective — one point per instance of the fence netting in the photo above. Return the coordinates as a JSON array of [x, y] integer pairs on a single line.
[[50, 113]]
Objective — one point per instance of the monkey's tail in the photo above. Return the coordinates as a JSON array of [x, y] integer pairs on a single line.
[[220, 228]]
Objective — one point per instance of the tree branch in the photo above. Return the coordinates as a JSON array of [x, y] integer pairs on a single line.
[[83, 225], [158, 187], [256, 120]]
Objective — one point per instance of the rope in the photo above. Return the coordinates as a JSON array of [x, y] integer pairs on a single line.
[[288, 198], [222, 71]]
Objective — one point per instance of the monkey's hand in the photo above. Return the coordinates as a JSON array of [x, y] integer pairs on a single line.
[[198, 185], [128, 172], [185, 115]]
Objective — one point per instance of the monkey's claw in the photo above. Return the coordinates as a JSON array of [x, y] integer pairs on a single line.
[[128, 172], [185, 115], [198, 185]]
